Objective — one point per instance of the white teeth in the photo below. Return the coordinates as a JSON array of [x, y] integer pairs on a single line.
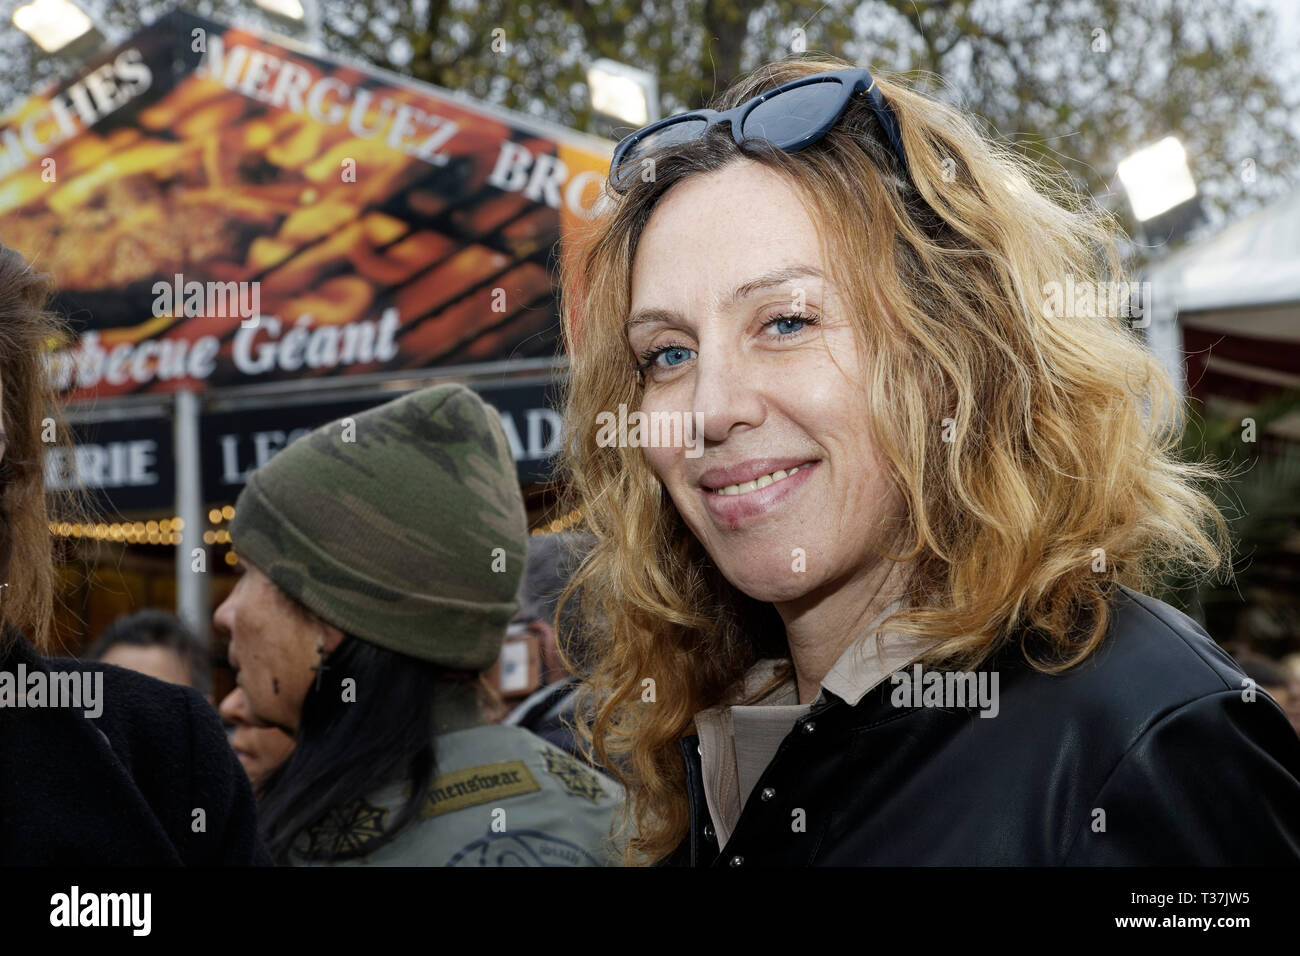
[[761, 482]]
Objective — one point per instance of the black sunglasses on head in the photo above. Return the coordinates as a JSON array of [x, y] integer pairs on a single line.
[[792, 116]]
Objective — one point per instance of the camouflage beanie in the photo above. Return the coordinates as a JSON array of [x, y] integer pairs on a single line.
[[403, 526]]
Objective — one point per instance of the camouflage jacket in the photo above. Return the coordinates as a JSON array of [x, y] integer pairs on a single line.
[[502, 796]]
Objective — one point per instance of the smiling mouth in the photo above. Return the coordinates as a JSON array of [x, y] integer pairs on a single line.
[[762, 481]]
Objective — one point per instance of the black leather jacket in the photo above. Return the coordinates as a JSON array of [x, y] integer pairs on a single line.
[[1147, 753]]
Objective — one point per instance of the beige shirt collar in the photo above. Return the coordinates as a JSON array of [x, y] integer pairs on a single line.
[[738, 741]]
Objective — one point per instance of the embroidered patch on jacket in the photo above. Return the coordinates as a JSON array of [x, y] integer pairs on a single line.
[[523, 848], [578, 780], [468, 788], [345, 829]]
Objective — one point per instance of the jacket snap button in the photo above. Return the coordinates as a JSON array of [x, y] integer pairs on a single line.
[[809, 727], [768, 793], [708, 832], [737, 860]]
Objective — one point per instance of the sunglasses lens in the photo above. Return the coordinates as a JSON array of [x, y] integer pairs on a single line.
[[791, 119], [672, 134]]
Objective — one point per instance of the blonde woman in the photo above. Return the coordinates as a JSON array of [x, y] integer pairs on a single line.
[[870, 563]]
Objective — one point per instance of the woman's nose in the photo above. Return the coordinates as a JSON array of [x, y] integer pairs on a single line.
[[728, 396], [231, 708]]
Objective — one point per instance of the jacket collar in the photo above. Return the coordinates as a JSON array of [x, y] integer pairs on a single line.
[[863, 665], [868, 661]]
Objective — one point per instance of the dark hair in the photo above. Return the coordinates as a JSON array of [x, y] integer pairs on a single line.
[[552, 560], [345, 749], [154, 628]]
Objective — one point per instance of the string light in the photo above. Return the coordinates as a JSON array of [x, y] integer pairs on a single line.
[[562, 523], [162, 531], [166, 531]]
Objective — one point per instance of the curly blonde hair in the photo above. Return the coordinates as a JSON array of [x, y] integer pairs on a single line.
[[1062, 445]]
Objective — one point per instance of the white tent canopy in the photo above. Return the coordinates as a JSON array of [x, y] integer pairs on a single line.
[[1241, 285], [1255, 261]]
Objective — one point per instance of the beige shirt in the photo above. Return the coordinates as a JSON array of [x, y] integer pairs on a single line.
[[738, 741]]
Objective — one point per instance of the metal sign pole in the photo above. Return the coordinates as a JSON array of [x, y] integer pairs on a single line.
[[193, 593]]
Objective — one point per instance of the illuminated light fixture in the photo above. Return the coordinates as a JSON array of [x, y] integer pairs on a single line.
[[227, 512], [178, 524], [289, 9], [231, 558], [623, 92], [1157, 178], [304, 14], [52, 24], [214, 516]]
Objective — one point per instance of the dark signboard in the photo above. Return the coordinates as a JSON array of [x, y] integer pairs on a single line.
[[122, 465], [128, 466]]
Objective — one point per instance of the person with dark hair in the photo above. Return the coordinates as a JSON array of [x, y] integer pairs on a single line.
[[99, 766], [156, 643], [549, 711], [382, 556]]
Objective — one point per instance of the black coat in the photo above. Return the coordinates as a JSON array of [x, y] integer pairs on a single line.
[[1152, 731], [121, 789]]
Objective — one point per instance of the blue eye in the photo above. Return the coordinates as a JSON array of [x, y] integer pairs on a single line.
[[675, 355], [670, 356], [791, 324]]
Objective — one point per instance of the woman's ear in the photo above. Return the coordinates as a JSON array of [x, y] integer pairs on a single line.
[[331, 637]]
